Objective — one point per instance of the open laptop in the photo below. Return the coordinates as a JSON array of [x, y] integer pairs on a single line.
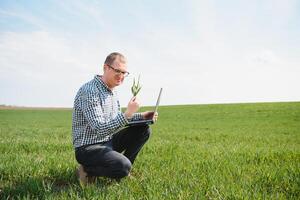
[[147, 121]]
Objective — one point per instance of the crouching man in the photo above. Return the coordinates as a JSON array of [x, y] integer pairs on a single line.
[[104, 146]]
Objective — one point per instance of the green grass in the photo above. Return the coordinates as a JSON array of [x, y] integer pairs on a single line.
[[233, 151]]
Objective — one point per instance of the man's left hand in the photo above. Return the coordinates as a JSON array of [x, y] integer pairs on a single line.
[[149, 115]]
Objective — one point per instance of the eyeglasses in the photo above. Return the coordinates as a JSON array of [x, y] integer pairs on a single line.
[[119, 72]]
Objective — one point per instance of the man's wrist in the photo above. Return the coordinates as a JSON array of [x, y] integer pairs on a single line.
[[128, 115]]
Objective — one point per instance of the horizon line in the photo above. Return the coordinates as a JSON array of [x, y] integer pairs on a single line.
[[8, 107]]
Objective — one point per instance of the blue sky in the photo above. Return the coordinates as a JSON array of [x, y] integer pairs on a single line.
[[198, 51]]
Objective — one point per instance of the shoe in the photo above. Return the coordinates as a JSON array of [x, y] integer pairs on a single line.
[[83, 177]]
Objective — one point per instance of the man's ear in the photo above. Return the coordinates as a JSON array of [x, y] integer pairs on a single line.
[[104, 68]]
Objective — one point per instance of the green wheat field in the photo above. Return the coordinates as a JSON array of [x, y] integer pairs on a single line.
[[220, 151]]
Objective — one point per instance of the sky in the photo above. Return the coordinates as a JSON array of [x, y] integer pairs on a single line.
[[200, 52]]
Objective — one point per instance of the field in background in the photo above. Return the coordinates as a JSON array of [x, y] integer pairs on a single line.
[[199, 151]]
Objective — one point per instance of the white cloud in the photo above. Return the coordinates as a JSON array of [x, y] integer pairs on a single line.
[[265, 56], [41, 63], [35, 53], [26, 17]]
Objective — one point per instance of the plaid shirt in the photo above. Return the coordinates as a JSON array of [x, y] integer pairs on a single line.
[[97, 114]]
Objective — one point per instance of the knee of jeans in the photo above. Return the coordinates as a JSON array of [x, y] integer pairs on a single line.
[[123, 166], [147, 132]]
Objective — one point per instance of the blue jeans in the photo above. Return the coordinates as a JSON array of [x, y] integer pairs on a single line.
[[107, 160]]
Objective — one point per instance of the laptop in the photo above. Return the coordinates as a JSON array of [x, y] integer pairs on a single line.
[[147, 121]]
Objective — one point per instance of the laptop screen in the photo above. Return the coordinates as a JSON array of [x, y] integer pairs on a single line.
[[157, 102]]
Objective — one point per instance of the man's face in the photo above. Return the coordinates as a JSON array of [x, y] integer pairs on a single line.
[[115, 73]]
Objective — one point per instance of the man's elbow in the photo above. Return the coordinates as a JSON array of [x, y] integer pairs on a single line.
[[99, 127]]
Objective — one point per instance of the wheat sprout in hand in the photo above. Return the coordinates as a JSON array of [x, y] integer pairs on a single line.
[[136, 87]]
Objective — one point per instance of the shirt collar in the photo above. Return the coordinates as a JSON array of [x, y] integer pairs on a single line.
[[101, 83]]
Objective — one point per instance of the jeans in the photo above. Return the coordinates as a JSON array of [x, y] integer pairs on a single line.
[[113, 158]]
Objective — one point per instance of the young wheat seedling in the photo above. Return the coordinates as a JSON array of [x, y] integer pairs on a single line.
[[135, 88]]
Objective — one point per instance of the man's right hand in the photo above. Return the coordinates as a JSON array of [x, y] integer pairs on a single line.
[[133, 107]]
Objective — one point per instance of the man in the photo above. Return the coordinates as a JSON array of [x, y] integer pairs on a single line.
[[99, 127]]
